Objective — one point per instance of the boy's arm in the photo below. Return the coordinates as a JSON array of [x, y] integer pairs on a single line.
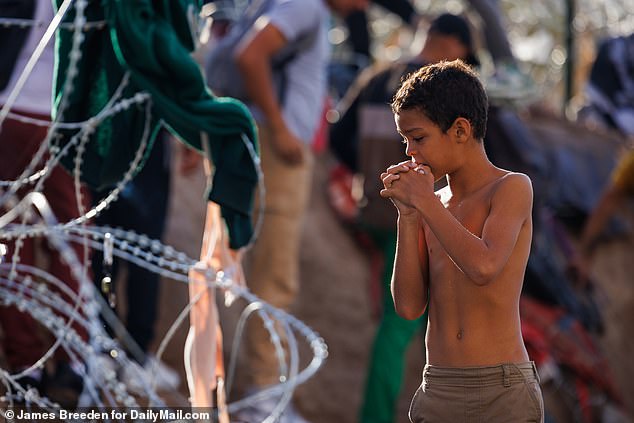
[[410, 281], [483, 258]]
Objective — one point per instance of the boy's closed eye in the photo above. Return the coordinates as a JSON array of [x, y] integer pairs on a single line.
[[415, 139]]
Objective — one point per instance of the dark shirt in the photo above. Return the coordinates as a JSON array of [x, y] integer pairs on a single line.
[[375, 87], [365, 137]]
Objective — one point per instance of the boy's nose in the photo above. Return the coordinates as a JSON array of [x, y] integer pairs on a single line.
[[409, 151]]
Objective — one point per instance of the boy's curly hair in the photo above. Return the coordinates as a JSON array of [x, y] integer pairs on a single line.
[[445, 91]]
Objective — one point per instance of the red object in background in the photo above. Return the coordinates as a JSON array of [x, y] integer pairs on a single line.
[[339, 193], [549, 332], [320, 142]]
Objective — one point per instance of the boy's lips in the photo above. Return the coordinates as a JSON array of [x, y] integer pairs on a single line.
[[417, 163]]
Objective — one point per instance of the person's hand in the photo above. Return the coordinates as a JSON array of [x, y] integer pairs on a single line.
[[391, 175], [287, 146], [402, 195]]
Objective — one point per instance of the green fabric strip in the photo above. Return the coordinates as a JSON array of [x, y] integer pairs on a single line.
[[152, 40]]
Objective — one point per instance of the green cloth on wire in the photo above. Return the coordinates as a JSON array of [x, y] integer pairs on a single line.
[[153, 41]]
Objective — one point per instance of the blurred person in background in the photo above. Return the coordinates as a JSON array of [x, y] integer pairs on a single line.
[[286, 127], [616, 195], [610, 105], [507, 82]]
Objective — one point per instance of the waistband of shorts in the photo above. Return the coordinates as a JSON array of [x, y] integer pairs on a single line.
[[505, 374]]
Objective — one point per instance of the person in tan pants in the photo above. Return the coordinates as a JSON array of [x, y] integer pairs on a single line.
[[287, 119]]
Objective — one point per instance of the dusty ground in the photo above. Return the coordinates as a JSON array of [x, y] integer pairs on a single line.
[[335, 302]]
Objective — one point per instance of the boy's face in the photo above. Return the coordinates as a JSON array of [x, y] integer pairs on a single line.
[[425, 142]]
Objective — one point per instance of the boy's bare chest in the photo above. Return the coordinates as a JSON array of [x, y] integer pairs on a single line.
[[472, 214], [446, 279]]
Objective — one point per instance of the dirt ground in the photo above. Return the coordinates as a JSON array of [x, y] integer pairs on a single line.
[[334, 301]]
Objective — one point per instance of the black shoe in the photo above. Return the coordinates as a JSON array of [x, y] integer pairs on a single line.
[[64, 386]]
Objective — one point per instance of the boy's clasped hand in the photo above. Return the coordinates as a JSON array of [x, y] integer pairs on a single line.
[[411, 186]]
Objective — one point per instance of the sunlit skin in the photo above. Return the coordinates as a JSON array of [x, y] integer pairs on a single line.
[[467, 244]]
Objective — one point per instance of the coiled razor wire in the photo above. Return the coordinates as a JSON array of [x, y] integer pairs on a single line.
[[46, 306], [66, 313]]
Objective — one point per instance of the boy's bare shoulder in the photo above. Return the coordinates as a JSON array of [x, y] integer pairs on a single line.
[[514, 185], [516, 179]]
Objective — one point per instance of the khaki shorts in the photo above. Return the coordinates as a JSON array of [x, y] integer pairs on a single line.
[[506, 393]]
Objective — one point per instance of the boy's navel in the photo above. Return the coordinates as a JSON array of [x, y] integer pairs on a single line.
[[459, 335]]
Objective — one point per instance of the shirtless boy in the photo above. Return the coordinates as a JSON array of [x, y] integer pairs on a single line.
[[462, 251]]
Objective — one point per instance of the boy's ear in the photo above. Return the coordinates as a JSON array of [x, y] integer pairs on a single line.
[[461, 129]]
